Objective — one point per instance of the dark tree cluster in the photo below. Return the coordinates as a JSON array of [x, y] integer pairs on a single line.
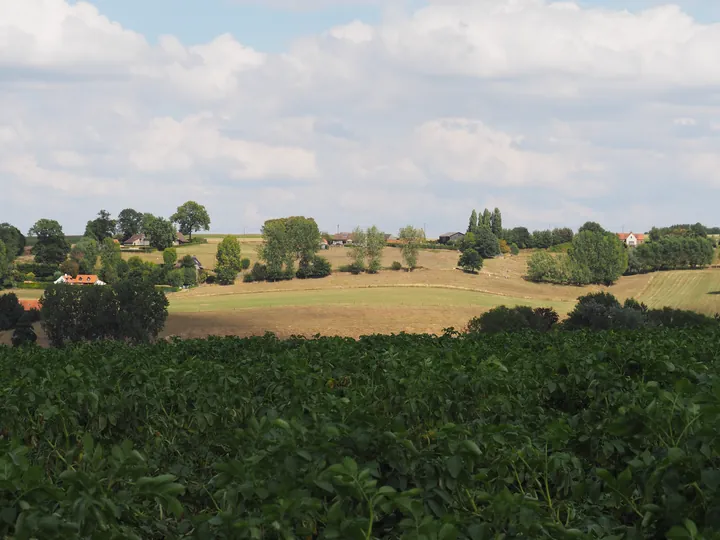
[[131, 310], [671, 252]]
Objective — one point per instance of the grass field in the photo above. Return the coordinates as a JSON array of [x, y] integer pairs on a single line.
[[426, 300]]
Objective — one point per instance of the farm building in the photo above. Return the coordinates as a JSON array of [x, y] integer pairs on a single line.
[[180, 239], [196, 262], [137, 240], [81, 279], [451, 237], [342, 238], [631, 239]]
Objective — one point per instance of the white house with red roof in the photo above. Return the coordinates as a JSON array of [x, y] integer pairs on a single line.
[[632, 239]]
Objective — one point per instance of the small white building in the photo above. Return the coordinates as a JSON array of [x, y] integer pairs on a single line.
[[631, 239], [81, 279]]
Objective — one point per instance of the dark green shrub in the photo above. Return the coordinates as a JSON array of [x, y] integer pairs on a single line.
[[245, 263], [190, 276], [396, 265], [10, 311], [248, 278], [318, 267], [602, 298], [24, 333], [631, 303], [514, 249], [225, 274], [353, 268], [40, 270], [131, 310], [175, 278], [36, 286], [259, 272], [504, 319], [678, 318]]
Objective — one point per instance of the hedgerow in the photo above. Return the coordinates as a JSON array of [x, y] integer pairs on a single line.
[[553, 435]]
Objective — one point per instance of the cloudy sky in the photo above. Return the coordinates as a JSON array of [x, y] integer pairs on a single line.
[[361, 112]]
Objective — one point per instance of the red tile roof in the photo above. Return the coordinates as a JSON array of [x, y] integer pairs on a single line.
[[83, 279], [29, 304], [623, 236]]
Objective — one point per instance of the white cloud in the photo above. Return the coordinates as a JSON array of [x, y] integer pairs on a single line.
[[544, 109], [169, 145]]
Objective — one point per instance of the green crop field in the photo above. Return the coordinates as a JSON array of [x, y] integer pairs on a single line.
[[377, 296], [562, 435], [697, 290]]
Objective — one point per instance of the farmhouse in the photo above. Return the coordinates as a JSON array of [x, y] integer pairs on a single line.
[[451, 237], [323, 244], [81, 279], [137, 240], [631, 239], [342, 238], [196, 262]]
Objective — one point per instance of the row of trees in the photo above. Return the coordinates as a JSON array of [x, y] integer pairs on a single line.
[[131, 310], [189, 217], [596, 256], [671, 253]]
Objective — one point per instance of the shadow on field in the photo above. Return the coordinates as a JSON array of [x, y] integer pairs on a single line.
[[349, 321], [714, 292]]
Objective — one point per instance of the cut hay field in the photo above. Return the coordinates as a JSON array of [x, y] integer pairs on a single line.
[[429, 299]]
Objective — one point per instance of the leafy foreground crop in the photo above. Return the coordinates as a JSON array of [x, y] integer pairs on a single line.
[[604, 435]]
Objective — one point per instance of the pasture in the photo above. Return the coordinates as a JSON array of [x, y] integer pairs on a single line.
[[428, 299]]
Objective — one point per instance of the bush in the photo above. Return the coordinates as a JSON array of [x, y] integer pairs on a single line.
[[175, 278], [248, 278], [259, 272], [514, 249], [210, 279], [353, 268], [396, 265], [319, 267], [24, 333], [503, 319], [280, 275], [678, 318], [36, 285], [504, 247], [40, 270], [245, 263], [226, 274], [190, 276], [10, 311]]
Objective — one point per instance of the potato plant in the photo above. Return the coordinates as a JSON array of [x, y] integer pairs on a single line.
[[608, 435]]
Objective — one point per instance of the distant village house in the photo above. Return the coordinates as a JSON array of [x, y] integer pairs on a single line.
[[631, 239], [451, 238], [81, 279]]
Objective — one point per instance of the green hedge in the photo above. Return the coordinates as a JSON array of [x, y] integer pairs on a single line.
[[40, 270], [33, 285]]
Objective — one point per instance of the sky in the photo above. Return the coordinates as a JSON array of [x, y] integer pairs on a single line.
[[361, 112]]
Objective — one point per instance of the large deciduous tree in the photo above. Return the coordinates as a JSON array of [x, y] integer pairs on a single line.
[[470, 260], [591, 226], [486, 243], [191, 217], [85, 253], [52, 247], [101, 227], [13, 239], [358, 248], [374, 250], [229, 260], [602, 254], [411, 239], [160, 232], [129, 223], [287, 240]]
